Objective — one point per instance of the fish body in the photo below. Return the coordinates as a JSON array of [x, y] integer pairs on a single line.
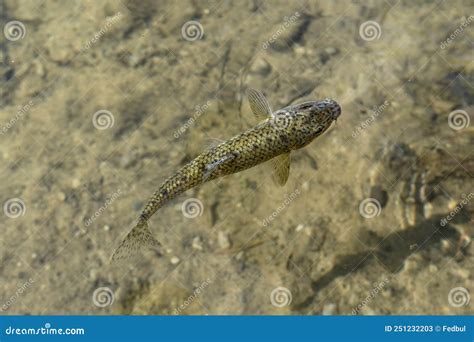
[[279, 133]]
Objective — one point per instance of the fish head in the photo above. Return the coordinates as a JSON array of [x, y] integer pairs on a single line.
[[305, 121]]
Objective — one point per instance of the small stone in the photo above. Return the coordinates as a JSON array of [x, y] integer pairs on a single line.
[[329, 309], [331, 50], [34, 255], [299, 50], [175, 260], [299, 227], [75, 183], [197, 243], [223, 240], [433, 268], [305, 186], [445, 246], [106, 228]]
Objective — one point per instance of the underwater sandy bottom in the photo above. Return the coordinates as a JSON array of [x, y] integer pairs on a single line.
[[102, 101]]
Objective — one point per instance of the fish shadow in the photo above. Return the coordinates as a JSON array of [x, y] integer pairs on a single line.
[[391, 251]]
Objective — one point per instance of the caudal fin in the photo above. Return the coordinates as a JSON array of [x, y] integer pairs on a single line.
[[140, 236]]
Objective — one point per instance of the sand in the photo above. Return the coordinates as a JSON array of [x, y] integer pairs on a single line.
[[101, 101]]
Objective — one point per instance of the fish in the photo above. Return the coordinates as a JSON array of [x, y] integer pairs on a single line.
[[277, 134]]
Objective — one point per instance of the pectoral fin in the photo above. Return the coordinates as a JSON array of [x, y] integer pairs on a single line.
[[259, 104], [281, 168]]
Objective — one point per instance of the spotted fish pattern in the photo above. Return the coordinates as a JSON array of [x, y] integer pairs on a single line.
[[278, 133]]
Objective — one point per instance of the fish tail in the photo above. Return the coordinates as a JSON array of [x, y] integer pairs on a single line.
[[140, 236]]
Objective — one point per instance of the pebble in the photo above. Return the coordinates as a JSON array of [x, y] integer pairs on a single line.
[[299, 50], [106, 228], [197, 243], [305, 186], [223, 240], [175, 260], [331, 50], [460, 273], [76, 183], [445, 246], [433, 268], [299, 227]]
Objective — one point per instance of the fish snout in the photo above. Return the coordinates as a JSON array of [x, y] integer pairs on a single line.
[[333, 107]]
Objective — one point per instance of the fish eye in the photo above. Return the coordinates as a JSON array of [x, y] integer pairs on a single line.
[[306, 105]]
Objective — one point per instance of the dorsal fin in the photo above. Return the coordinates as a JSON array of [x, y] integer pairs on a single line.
[[259, 104]]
